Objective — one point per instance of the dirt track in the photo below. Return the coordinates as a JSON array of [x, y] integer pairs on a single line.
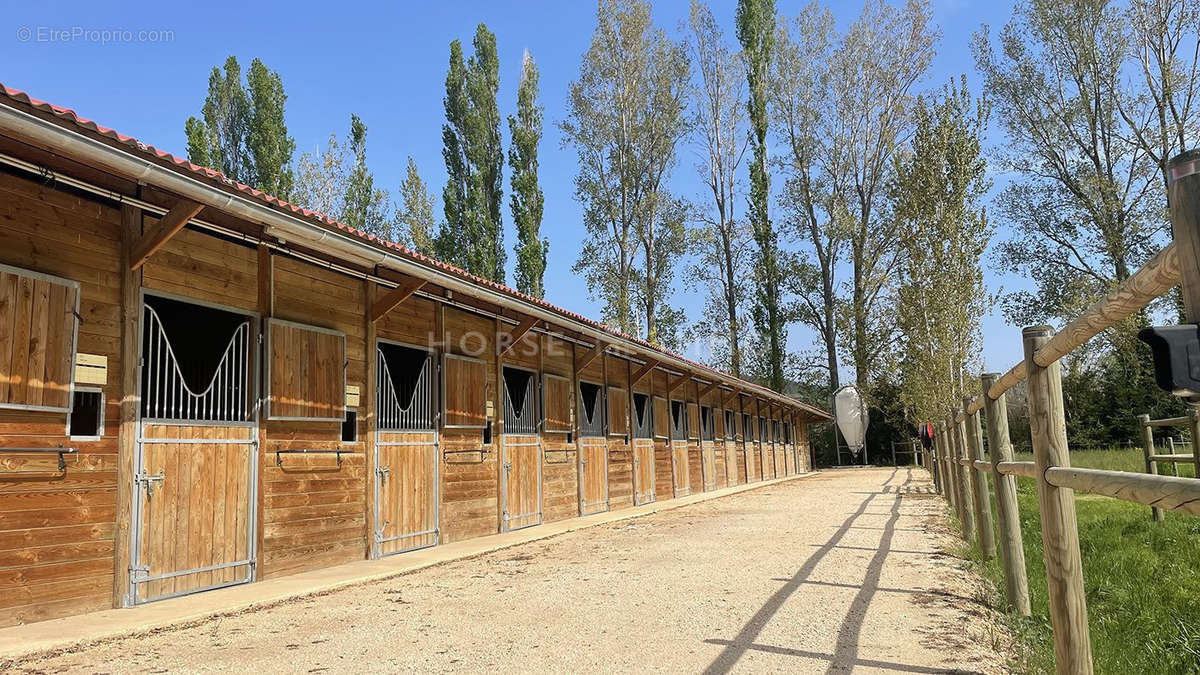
[[844, 571]]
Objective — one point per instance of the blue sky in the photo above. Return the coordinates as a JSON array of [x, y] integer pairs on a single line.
[[386, 62]]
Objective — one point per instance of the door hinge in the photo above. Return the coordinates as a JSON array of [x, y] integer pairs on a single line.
[[137, 572]]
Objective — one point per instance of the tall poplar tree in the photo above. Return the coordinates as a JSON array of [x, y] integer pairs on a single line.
[[364, 206], [756, 33], [721, 243], [473, 235], [525, 131], [242, 131], [414, 217], [624, 119]]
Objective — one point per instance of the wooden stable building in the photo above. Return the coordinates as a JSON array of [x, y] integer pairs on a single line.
[[202, 385]]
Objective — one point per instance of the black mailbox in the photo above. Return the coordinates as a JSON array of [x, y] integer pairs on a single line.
[[1176, 351]]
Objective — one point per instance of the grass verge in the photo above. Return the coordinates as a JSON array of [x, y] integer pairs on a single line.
[[1142, 579]]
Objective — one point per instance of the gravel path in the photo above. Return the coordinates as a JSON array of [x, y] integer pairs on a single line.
[[843, 571]]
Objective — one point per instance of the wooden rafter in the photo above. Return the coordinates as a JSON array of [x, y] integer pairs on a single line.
[[394, 297], [509, 339], [583, 360], [170, 225], [642, 372]]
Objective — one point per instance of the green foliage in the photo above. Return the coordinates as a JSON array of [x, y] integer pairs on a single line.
[[472, 235], [525, 131], [242, 131], [937, 201], [625, 117], [1139, 577], [756, 33], [364, 206], [267, 141], [414, 217], [720, 243]]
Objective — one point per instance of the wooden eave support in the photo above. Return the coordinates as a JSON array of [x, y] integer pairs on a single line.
[[509, 339], [642, 372], [583, 360], [672, 386], [393, 298], [707, 388], [170, 225]]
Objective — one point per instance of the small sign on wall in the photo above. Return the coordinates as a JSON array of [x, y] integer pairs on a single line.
[[490, 410], [352, 395], [91, 369]]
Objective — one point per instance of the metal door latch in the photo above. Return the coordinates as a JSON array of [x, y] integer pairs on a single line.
[[383, 472], [508, 466], [149, 481]]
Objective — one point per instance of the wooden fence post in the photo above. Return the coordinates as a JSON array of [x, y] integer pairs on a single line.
[[979, 482], [1012, 545], [1156, 513], [951, 471], [1194, 427], [966, 513], [1060, 531]]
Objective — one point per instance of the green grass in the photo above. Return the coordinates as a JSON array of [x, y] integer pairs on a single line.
[[1142, 579]]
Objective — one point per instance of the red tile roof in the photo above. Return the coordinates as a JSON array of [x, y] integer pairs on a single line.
[[218, 178]]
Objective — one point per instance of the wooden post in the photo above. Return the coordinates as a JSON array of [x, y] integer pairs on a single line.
[[966, 512], [366, 415], [1060, 530], [1012, 546], [127, 436], [266, 310], [1156, 513], [946, 455], [979, 483], [1194, 427]]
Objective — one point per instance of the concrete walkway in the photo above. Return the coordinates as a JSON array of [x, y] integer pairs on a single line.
[[843, 571]]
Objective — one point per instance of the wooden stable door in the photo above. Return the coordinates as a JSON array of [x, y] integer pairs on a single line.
[[679, 466], [521, 470], [643, 470], [708, 459], [195, 521], [731, 470], [406, 497], [767, 459], [593, 475], [197, 460]]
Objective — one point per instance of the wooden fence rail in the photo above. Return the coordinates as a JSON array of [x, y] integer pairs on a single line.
[[961, 471]]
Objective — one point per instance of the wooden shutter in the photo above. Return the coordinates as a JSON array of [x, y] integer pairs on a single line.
[[465, 387], [718, 422], [662, 418], [556, 395], [307, 372], [38, 328], [618, 411], [693, 420]]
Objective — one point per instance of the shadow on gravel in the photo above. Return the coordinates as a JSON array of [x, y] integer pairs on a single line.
[[845, 654]]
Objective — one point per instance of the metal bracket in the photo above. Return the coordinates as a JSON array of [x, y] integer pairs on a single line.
[[149, 480], [383, 471], [137, 572]]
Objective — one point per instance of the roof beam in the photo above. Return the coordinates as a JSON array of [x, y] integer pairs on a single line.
[[170, 225], [394, 297], [509, 339], [583, 360], [643, 371]]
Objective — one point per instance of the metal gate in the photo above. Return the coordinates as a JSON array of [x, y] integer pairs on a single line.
[[643, 471], [593, 475], [406, 453], [196, 465]]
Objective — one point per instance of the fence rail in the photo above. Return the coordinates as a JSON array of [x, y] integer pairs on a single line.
[[962, 473]]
